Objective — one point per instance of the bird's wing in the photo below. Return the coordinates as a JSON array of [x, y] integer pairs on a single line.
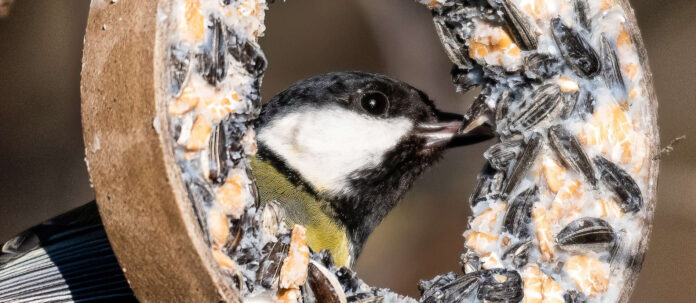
[[65, 259]]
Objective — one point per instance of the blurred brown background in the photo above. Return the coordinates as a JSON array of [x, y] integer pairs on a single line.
[[42, 172]]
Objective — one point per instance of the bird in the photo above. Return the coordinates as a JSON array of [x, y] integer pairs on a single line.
[[336, 153]]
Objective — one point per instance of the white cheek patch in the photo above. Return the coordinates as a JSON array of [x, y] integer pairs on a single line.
[[326, 144]]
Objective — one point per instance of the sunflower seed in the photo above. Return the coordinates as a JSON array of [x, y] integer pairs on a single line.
[[224, 148], [585, 104], [430, 290], [582, 9], [489, 186], [500, 285], [519, 213], [518, 254], [570, 100], [324, 284], [218, 155], [257, 63], [577, 52], [518, 25], [621, 183], [501, 109], [500, 155], [454, 46], [470, 262], [248, 53], [212, 62], [523, 162], [611, 68], [544, 104], [201, 198], [253, 190], [460, 288], [586, 234], [272, 218], [237, 232], [268, 272], [255, 94], [179, 62], [574, 296], [464, 80], [449, 288], [571, 153], [478, 114], [541, 66]]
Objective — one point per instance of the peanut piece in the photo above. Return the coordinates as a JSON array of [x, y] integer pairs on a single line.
[[590, 274], [293, 273], [229, 195], [543, 233], [554, 173], [532, 284], [480, 242], [199, 133], [218, 226]]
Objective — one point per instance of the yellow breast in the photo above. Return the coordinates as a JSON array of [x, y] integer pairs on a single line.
[[302, 207]]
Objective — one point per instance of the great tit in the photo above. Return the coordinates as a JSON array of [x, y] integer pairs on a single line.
[[338, 151]]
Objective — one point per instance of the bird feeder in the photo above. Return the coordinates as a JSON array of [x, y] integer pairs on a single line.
[[170, 90]]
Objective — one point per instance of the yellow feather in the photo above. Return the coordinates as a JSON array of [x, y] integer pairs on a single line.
[[301, 207]]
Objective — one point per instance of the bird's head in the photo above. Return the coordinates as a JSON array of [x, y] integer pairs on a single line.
[[358, 140]]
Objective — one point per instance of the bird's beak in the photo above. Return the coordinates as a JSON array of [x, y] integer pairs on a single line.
[[453, 130]]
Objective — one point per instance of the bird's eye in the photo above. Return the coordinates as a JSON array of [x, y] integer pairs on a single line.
[[375, 103]]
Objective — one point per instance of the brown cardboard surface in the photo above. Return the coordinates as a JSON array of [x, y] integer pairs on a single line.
[[141, 197]]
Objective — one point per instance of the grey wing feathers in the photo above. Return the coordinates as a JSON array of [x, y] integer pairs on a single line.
[[65, 259]]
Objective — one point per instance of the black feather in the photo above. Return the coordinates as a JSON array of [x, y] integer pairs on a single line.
[[67, 258]]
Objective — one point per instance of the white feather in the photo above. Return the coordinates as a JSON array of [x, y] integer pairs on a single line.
[[327, 144]]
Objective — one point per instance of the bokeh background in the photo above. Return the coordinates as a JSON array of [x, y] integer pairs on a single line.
[[43, 173]]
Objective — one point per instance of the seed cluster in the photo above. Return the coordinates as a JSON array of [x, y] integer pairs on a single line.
[[559, 207], [214, 71], [556, 208]]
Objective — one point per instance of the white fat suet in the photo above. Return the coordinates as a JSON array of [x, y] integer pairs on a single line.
[[326, 144]]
